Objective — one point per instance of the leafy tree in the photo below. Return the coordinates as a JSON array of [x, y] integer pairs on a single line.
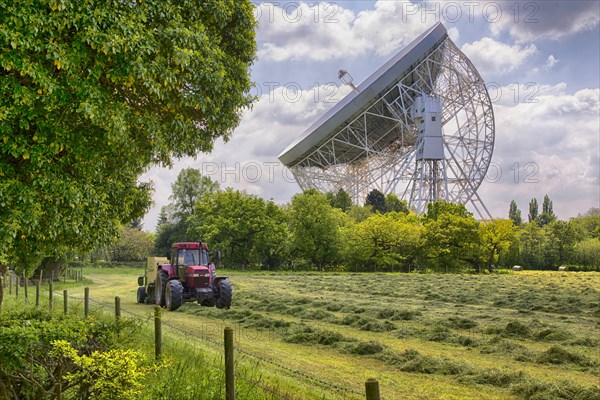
[[167, 234], [92, 93], [496, 236], [188, 188], [360, 213], [452, 239], [271, 247], [315, 228], [245, 228], [587, 253], [533, 240], [510, 256], [341, 200], [533, 210], [515, 214], [393, 203], [376, 199], [587, 226], [134, 245], [384, 241], [561, 238], [438, 207], [547, 214], [165, 215]]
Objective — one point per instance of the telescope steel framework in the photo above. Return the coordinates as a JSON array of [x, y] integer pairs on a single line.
[[377, 148]]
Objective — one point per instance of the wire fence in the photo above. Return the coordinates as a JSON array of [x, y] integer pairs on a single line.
[[244, 357]]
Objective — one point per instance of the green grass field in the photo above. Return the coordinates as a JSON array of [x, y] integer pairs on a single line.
[[527, 335]]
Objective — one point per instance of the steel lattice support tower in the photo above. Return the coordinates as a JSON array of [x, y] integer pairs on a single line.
[[372, 141]]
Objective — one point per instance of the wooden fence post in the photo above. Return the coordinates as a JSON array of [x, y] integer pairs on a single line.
[[65, 302], [17, 286], [157, 334], [86, 302], [372, 389], [10, 275], [117, 308], [229, 365]]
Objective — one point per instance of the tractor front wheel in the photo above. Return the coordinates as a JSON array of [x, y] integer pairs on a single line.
[[224, 294], [173, 295], [161, 285]]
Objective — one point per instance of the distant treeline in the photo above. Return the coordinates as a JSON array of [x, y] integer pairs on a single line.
[[326, 232]]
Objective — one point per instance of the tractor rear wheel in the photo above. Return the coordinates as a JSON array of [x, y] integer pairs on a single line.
[[141, 294], [161, 284], [224, 294], [173, 295]]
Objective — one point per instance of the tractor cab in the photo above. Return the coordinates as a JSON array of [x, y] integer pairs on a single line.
[[190, 262]]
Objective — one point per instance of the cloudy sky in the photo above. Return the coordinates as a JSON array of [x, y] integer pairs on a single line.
[[540, 60]]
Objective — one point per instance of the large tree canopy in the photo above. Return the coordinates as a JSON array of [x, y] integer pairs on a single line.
[[93, 92]]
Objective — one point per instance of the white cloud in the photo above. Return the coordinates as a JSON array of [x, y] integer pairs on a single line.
[[535, 20], [249, 160], [549, 147], [324, 31], [492, 57]]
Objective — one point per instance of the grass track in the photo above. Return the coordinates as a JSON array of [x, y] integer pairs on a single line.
[[512, 322]]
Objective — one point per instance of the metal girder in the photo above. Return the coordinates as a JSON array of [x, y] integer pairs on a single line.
[[376, 149]]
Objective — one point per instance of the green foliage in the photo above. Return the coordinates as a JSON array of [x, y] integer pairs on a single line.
[[496, 236], [27, 348], [587, 253], [533, 210], [547, 216], [169, 233], [247, 229], [189, 187], [561, 238], [533, 240], [341, 200], [134, 245], [384, 242], [360, 213], [515, 214], [315, 228], [111, 374], [587, 226], [438, 207], [393, 203], [376, 199], [452, 238], [94, 92]]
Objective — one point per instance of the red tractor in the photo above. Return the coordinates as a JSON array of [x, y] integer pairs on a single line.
[[190, 276]]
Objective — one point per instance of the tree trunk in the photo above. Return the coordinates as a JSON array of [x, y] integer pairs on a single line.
[[1, 289], [3, 270]]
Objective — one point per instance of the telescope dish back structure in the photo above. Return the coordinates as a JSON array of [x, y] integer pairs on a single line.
[[371, 139]]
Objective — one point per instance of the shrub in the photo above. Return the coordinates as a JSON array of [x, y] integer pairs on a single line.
[[31, 340]]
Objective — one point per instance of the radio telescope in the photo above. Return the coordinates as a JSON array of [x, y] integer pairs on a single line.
[[421, 126]]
